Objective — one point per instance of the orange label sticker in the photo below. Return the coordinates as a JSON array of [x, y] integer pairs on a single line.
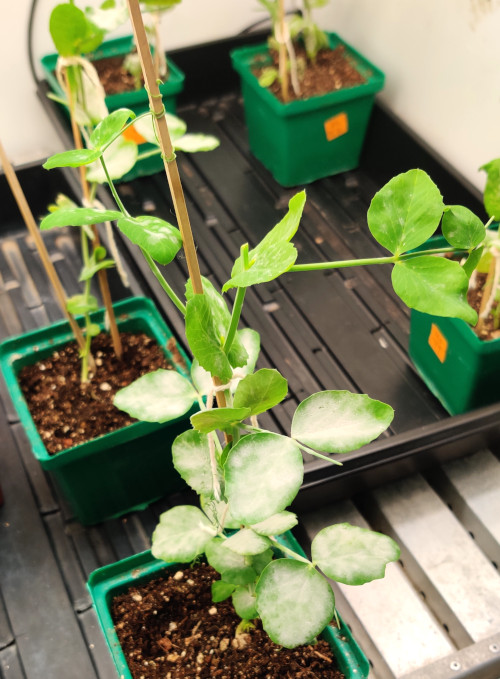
[[131, 134], [438, 343], [336, 126]]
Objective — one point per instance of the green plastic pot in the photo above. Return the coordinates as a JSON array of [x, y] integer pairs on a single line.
[[461, 370], [119, 472], [136, 100], [305, 140], [107, 582]]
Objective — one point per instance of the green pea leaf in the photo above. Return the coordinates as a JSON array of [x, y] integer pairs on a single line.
[[158, 238], [89, 271], [339, 421], [234, 568], [82, 304], [159, 396], [218, 418], [247, 543], [491, 194], [202, 333], [182, 534], [268, 76], [434, 285], [353, 555], [244, 602], [260, 561], [221, 590], [74, 158], [191, 458], [274, 254], [294, 601], [261, 391], [145, 127], [109, 128], [462, 228], [119, 157], [77, 216], [72, 32], [472, 261], [276, 524], [263, 475], [405, 212]]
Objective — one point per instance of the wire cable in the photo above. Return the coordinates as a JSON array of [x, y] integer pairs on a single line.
[[31, 59]]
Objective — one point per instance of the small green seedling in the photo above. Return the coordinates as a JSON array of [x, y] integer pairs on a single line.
[[246, 476]]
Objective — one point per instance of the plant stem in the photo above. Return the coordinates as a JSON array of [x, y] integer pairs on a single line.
[[342, 264], [282, 51], [160, 278], [311, 451], [289, 551], [235, 318]]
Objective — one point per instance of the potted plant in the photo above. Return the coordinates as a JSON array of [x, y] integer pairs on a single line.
[[246, 476], [459, 361], [108, 69], [297, 135]]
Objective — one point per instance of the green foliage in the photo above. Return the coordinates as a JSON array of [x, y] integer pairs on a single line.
[[72, 32], [491, 194]]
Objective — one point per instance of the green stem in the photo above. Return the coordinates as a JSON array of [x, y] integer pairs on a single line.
[[289, 551], [160, 278], [113, 190], [235, 318], [342, 264], [306, 449]]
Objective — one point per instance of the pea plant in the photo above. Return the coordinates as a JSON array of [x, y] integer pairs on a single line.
[[246, 476]]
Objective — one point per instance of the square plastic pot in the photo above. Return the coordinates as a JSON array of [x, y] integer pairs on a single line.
[[136, 100], [118, 472], [107, 582], [308, 139]]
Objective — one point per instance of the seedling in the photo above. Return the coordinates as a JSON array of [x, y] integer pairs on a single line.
[[246, 477]]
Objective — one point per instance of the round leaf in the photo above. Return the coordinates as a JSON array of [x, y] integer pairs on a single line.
[[233, 567], [261, 391], [221, 590], [339, 421], [182, 534], [492, 189], [72, 32], [247, 543], [405, 212], [191, 458], [81, 304], [160, 396], [434, 285], [263, 475], [194, 143], [244, 602], [158, 238], [462, 228], [294, 601], [277, 524], [353, 555]]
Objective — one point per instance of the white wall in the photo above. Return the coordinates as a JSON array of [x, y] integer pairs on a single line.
[[441, 59]]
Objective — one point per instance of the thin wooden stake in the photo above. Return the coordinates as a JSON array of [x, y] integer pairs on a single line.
[[102, 276], [283, 52], [33, 229], [168, 154]]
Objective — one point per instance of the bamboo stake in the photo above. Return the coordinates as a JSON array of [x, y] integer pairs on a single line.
[[33, 229], [102, 276], [283, 52], [171, 169], [168, 154]]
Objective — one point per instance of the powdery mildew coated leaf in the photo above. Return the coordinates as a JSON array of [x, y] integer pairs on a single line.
[[191, 458], [339, 421], [182, 534], [353, 555], [247, 543], [294, 601]]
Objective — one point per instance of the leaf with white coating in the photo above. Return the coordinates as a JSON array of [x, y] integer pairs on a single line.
[[191, 458], [340, 421], [182, 534], [160, 396], [277, 524], [353, 555], [195, 143], [234, 568], [294, 601], [263, 475], [120, 157], [247, 543], [244, 602]]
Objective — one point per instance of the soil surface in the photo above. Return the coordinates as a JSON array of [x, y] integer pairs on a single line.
[[67, 412], [486, 330], [169, 628], [114, 78], [332, 70]]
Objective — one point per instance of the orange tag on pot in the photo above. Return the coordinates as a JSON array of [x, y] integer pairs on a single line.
[[131, 134], [336, 126], [438, 343]]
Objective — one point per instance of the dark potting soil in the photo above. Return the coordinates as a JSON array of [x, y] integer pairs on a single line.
[[67, 412], [332, 70], [169, 628], [486, 330], [114, 78]]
